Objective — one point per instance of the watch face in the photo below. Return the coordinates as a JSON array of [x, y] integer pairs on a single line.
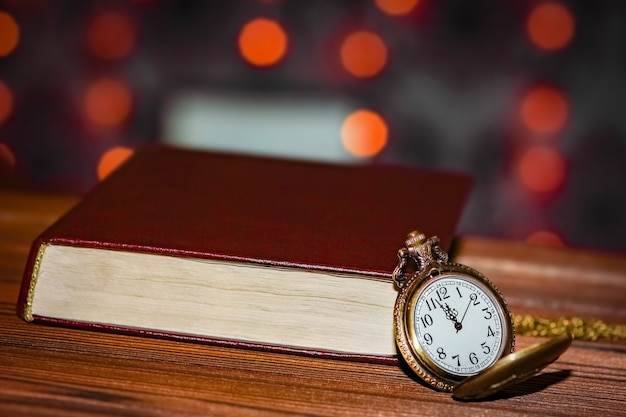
[[458, 324], [454, 324]]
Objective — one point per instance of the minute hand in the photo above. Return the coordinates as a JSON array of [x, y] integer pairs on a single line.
[[472, 299], [466, 308]]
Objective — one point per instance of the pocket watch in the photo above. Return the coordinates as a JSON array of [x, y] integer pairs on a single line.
[[452, 325]]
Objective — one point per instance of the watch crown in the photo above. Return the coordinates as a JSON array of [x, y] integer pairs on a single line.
[[414, 238]]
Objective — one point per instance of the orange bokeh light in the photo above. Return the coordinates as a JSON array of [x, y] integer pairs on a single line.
[[9, 34], [396, 7], [550, 26], [541, 169], [544, 110], [364, 133], [545, 238], [108, 102], [363, 54], [112, 159], [6, 101], [262, 42], [111, 36]]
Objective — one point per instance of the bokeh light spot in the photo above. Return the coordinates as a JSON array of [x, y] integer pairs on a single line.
[[364, 133], [363, 54], [6, 101], [541, 169], [9, 34], [545, 238], [544, 110], [550, 26], [112, 159], [111, 36], [262, 42], [396, 7], [108, 102], [7, 159]]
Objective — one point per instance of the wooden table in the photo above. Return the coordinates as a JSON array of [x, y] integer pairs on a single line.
[[57, 371]]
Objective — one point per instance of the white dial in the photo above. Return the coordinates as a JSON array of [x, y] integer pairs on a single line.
[[458, 324]]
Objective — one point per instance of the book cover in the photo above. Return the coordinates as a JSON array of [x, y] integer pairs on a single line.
[[177, 243]]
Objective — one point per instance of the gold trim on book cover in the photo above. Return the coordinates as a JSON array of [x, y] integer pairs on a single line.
[[28, 308]]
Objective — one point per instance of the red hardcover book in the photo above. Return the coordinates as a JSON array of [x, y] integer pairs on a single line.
[[240, 251]]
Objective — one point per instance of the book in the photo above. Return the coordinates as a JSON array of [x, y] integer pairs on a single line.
[[244, 251]]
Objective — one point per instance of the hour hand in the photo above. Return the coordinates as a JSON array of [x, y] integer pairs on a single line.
[[451, 314]]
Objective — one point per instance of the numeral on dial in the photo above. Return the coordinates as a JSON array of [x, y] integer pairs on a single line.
[[442, 293], [458, 361], [474, 299], [431, 304], [441, 353]]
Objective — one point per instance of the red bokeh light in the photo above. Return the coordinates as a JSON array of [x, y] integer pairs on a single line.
[[112, 159], [541, 169], [7, 160], [111, 36], [545, 238], [396, 7], [363, 54], [6, 101], [550, 26], [9, 34], [262, 42], [364, 133], [108, 102], [544, 110]]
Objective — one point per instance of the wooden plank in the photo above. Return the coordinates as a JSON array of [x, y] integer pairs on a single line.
[[101, 374]]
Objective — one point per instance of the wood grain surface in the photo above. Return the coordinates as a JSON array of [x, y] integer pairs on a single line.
[[56, 371]]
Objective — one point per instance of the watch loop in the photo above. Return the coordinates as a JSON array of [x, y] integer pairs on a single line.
[[417, 253]]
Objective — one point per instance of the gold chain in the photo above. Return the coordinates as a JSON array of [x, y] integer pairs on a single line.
[[581, 329]]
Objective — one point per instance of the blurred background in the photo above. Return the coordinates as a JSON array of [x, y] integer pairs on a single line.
[[528, 96]]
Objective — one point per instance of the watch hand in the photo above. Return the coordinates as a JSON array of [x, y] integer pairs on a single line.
[[451, 314], [466, 308], [447, 310], [473, 298], [457, 324]]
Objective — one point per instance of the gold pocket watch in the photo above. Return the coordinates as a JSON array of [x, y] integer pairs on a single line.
[[453, 327]]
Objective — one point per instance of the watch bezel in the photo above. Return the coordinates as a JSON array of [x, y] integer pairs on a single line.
[[406, 340]]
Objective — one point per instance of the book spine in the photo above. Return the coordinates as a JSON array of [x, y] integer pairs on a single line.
[[31, 271]]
